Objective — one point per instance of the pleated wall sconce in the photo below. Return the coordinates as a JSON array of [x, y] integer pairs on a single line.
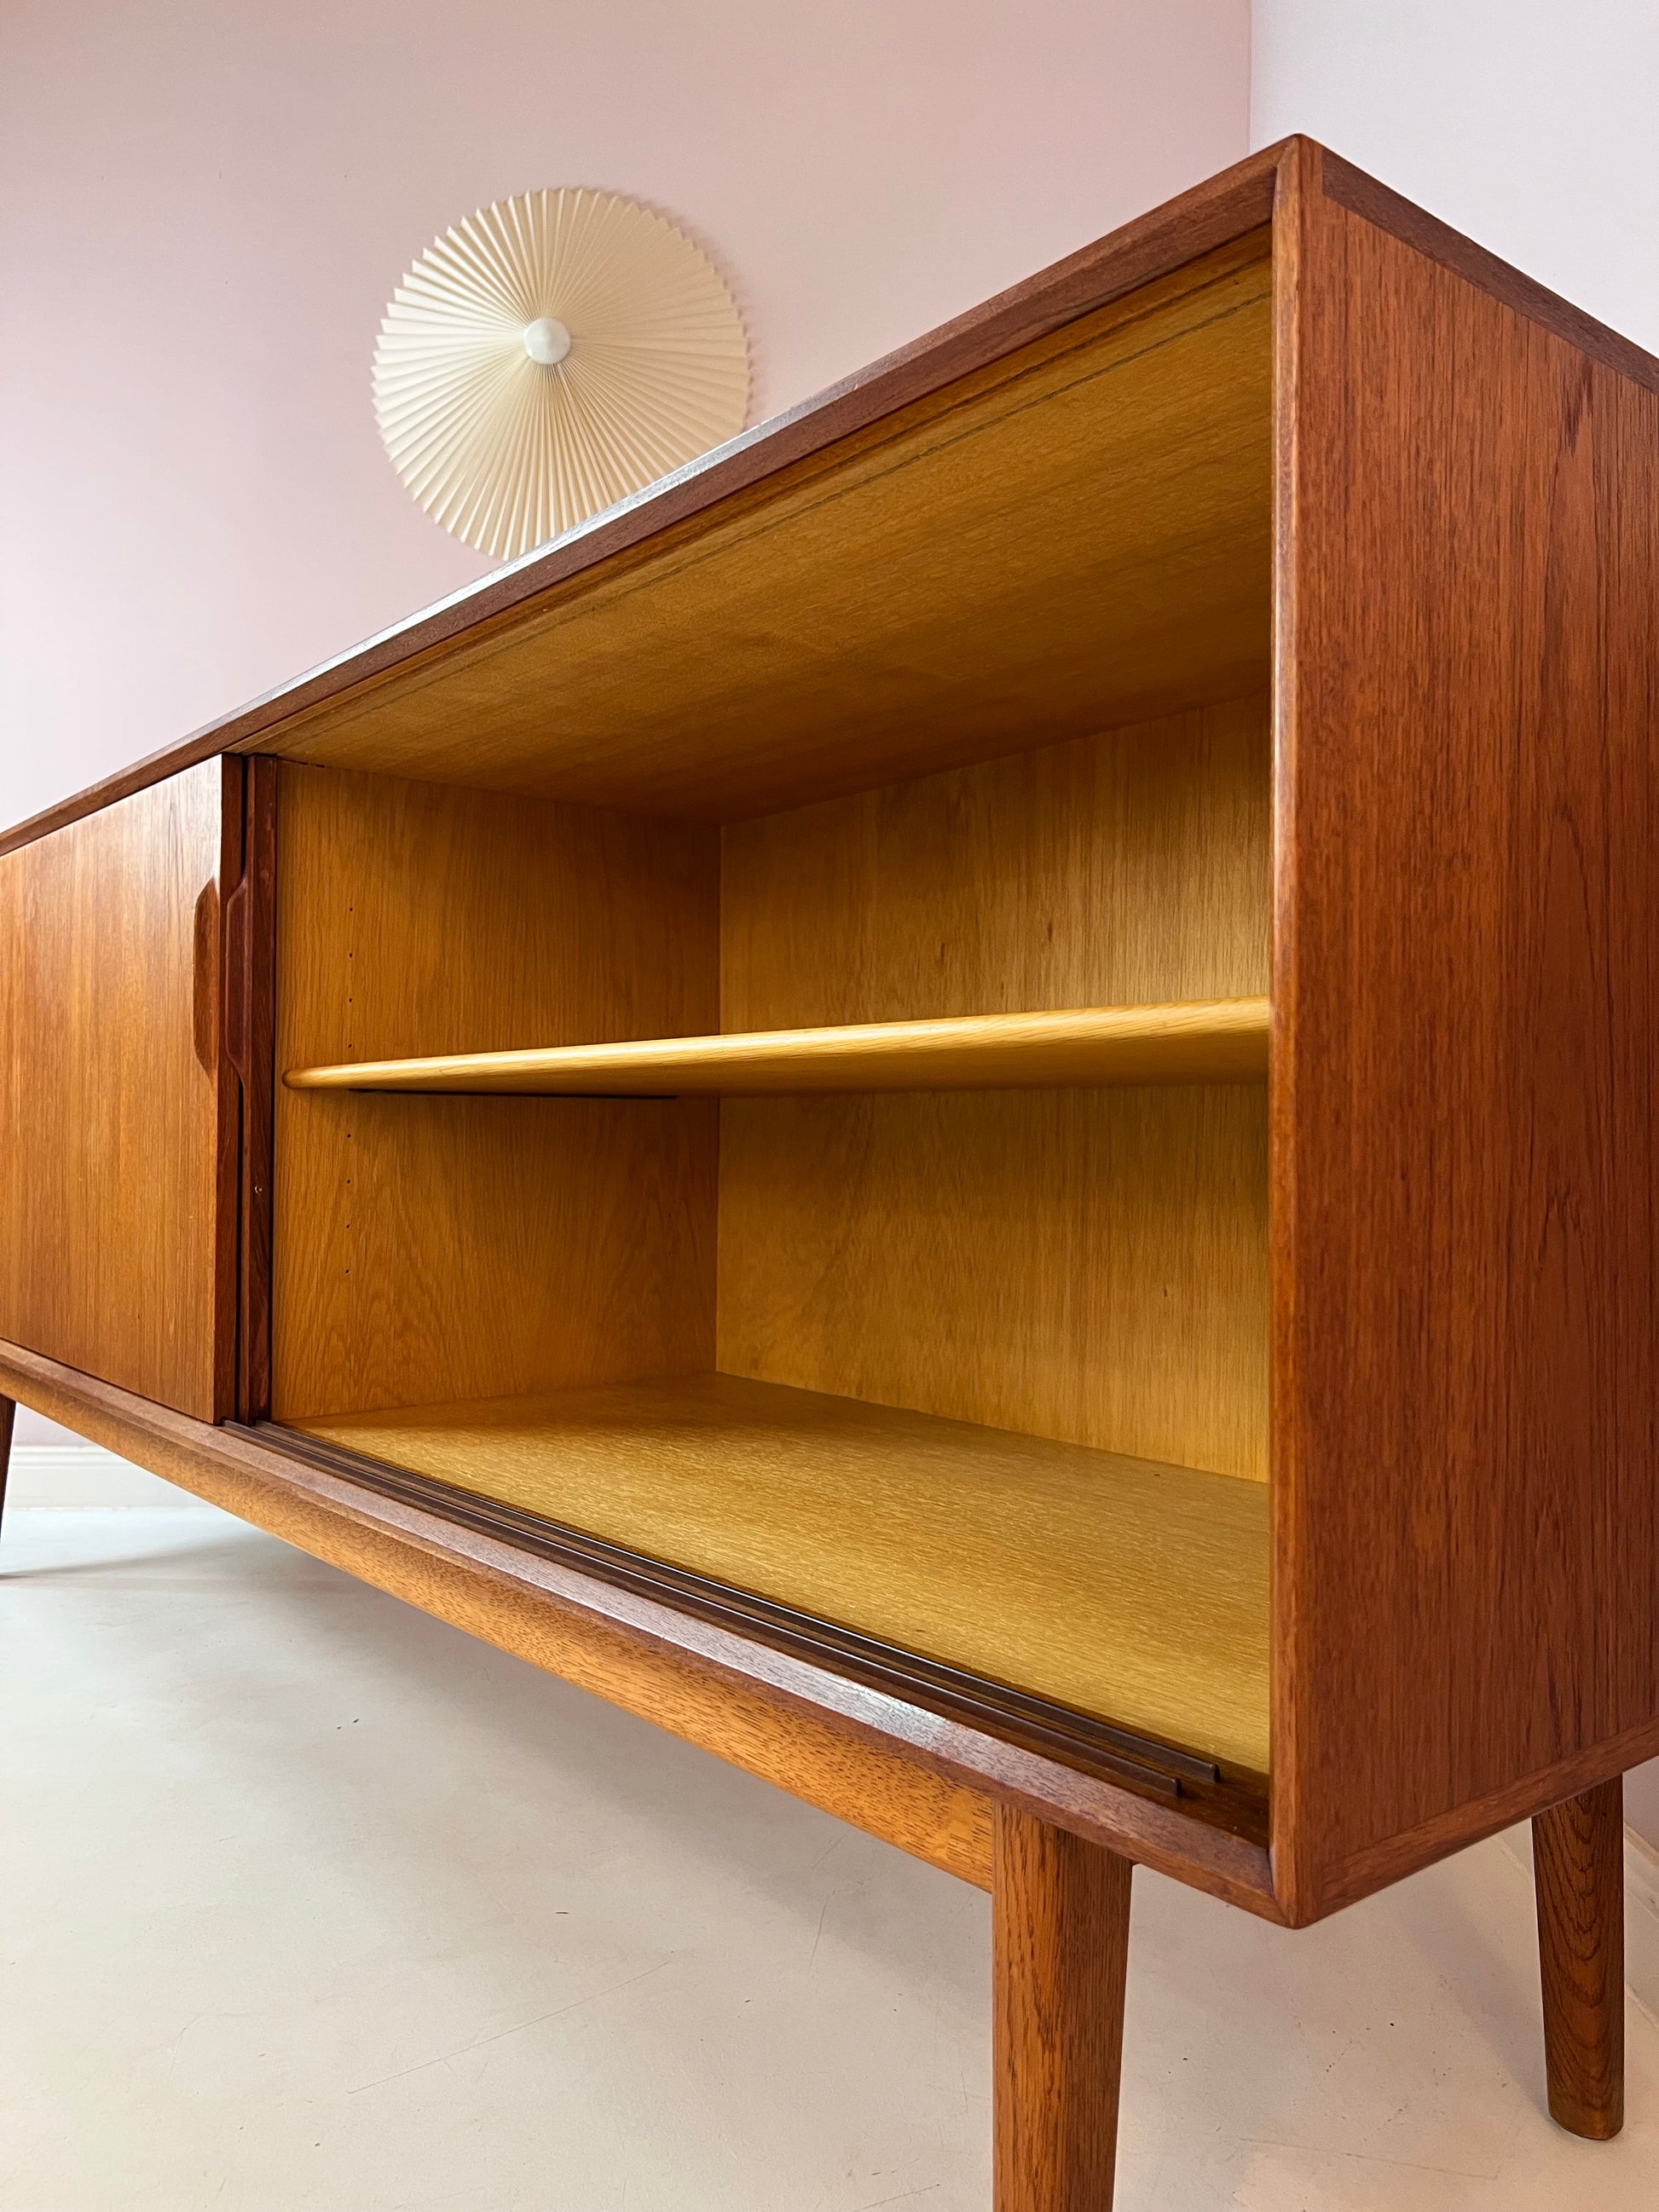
[[550, 355]]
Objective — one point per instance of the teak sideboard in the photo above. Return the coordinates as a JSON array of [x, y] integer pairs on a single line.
[[964, 1104]]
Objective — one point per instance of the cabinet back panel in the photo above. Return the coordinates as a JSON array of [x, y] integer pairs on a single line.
[[1128, 867], [422, 917], [118, 1235], [479, 1247], [1085, 1265]]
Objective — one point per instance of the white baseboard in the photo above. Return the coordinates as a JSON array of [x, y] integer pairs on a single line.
[[69, 1475], [1641, 1911]]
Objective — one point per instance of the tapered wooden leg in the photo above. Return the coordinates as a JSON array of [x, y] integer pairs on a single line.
[[1059, 1949], [8, 1417], [1578, 1861]]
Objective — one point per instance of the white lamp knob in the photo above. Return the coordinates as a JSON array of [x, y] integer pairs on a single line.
[[546, 340]]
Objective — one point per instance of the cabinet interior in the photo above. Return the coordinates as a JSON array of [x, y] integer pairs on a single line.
[[967, 1361]]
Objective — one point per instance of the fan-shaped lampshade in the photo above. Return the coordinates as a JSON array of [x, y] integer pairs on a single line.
[[550, 355]]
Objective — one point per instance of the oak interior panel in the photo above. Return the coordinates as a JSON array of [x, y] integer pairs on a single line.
[[1075, 536], [484, 1246], [1130, 867], [117, 1111], [1085, 1265], [1198, 1040], [1135, 1592], [444, 920]]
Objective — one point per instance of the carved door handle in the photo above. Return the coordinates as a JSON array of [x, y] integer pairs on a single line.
[[205, 1005], [237, 980]]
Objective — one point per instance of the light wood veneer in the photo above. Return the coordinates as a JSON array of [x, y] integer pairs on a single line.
[[475, 1246], [1133, 1592], [1212, 1041]]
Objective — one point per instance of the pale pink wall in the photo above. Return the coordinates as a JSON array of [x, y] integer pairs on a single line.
[[204, 207]]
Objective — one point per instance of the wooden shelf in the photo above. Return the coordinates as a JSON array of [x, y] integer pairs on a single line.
[[1133, 1592], [1205, 1040]]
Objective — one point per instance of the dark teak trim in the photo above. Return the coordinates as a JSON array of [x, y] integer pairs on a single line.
[[255, 981], [227, 1163]]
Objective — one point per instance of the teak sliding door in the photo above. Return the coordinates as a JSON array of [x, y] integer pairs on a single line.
[[118, 1106]]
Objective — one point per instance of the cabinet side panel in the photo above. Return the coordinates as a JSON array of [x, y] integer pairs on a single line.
[[116, 1256], [435, 1248], [1463, 1142]]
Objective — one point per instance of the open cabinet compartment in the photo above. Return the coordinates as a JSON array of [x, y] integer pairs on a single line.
[[965, 723]]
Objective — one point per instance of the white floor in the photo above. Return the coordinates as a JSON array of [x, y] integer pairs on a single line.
[[308, 1902]]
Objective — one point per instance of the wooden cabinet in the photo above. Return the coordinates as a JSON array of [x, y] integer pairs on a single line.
[[964, 1106]]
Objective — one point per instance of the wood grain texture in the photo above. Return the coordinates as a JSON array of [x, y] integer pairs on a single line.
[[1228, 1799], [1463, 1107], [1578, 1870], [1130, 1591], [1088, 1266], [1128, 867], [742, 1698], [1075, 536], [118, 1122], [227, 1057], [408, 1253], [256, 956], [1205, 1040], [1364, 195], [1060, 1920], [1085, 1264], [1473, 1821]]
